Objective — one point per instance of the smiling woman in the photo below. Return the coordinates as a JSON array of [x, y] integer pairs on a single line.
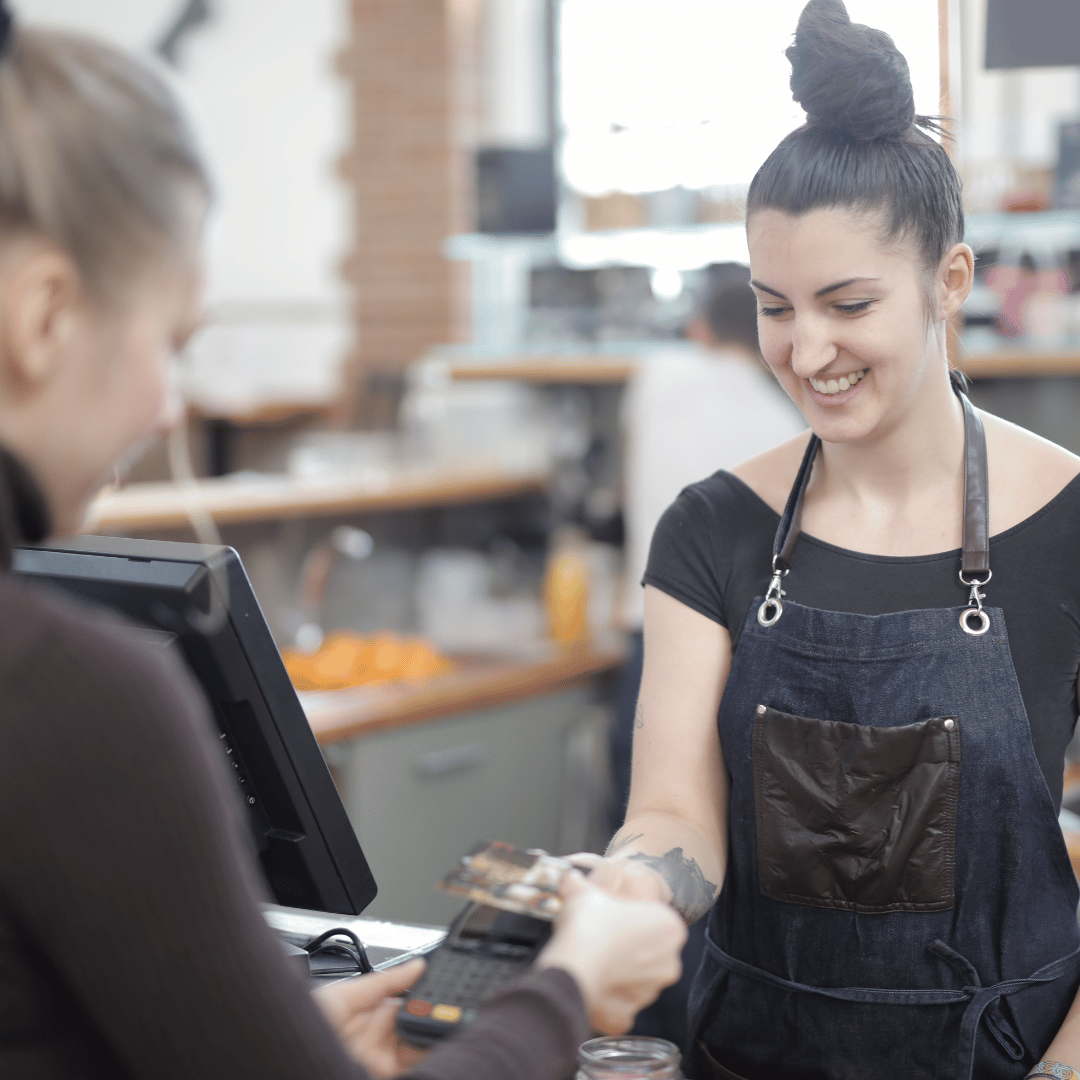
[[868, 771]]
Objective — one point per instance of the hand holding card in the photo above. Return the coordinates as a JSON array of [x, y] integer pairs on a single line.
[[503, 876]]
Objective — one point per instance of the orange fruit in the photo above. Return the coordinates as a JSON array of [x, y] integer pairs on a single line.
[[346, 659]]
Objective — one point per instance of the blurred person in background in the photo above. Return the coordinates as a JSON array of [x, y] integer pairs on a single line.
[[688, 413], [132, 943]]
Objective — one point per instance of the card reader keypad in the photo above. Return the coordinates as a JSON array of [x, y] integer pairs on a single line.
[[459, 980]]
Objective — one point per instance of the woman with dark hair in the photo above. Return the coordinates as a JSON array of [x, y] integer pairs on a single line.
[[862, 646]]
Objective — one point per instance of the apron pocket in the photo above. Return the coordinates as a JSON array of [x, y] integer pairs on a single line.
[[722, 1072], [718, 1070], [856, 817]]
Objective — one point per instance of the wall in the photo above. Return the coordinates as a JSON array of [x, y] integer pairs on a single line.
[[413, 73], [272, 114], [662, 93], [514, 104]]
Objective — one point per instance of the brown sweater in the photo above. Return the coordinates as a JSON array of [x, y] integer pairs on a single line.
[[131, 940]]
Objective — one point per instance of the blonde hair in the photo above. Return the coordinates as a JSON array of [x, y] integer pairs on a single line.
[[95, 155]]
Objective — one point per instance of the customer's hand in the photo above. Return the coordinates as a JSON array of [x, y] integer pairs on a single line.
[[362, 1012], [622, 953], [626, 878]]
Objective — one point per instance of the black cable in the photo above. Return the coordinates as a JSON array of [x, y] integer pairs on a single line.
[[322, 944]]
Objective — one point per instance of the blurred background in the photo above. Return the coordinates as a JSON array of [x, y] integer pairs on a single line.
[[453, 244]]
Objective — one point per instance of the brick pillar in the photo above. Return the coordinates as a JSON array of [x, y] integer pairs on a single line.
[[411, 65]]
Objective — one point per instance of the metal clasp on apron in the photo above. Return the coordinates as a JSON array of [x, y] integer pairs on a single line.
[[772, 606], [974, 610]]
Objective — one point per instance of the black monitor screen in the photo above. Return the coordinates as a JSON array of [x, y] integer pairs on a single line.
[[198, 599], [1035, 33]]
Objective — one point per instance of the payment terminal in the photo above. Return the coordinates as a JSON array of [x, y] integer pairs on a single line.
[[486, 947]]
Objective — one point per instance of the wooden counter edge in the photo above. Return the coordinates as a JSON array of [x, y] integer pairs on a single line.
[[270, 505], [336, 720], [1009, 365], [551, 370]]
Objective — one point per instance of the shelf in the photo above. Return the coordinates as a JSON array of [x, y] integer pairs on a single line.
[[229, 501], [682, 247], [1045, 230], [599, 369], [553, 370], [269, 414], [1018, 364], [613, 370], [336, 715]]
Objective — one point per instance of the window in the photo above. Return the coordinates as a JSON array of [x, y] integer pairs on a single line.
[[657, 94]]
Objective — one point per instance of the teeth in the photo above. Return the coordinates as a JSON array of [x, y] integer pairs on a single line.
[[837, 386]]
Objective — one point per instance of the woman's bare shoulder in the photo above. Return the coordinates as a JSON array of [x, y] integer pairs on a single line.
[[770, 474], [1026, 471]]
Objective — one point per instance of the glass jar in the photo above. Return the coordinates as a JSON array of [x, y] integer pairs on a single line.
[[628, 1057]]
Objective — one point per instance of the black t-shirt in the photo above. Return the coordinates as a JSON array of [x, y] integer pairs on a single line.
[[713, 548]]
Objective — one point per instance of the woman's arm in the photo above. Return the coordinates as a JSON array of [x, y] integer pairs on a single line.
[[129, 912], [673, 844], [1065, 1049], [126, 870]]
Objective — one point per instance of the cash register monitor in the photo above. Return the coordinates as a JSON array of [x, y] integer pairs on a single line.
[[198, 599]]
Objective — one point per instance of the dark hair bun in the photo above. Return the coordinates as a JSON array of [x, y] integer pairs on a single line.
[[849, 77]]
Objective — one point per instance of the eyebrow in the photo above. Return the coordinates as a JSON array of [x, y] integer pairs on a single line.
[[821, 292]]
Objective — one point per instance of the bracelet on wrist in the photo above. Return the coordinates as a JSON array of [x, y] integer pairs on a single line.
[[1054, 1069]]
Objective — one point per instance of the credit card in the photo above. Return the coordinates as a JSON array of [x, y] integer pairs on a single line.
[[525, 882]]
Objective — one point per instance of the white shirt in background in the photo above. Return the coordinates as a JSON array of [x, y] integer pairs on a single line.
[[688, 412]]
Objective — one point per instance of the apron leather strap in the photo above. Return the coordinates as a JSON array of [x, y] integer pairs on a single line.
[[975, 556], [787, 535]]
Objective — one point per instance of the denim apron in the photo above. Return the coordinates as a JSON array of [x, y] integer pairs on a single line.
[[898, 902]]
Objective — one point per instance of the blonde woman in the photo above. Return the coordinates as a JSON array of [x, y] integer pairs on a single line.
[[131, 939]]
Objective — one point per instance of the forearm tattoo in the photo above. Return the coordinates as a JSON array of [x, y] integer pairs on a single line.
[[1054, 1069], [639, 716], [619, 842], [691, 893]]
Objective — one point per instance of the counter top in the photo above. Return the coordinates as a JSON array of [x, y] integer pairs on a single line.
[[1018, 363], [557, 369], [337, 715], [388, 944], [601, 369], [230, 500]]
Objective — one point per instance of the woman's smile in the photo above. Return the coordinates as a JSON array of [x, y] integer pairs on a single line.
[[832, 384], [830, 391]]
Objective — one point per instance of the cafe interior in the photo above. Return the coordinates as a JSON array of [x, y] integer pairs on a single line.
[[447, 239]]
